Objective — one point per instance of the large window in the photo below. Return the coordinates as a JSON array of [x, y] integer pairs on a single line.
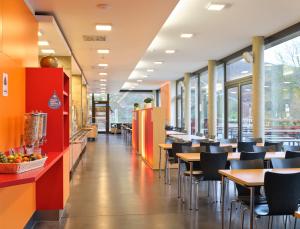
[[180, 104], [203, 89], [238, 68], [194, 104], [220, 101], [121, 105], [282, 91]]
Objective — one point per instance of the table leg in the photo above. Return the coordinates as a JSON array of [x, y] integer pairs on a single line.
[[159, 163], [251, 206], [191, 184], [179, 179], [166, 167], [223, 201]]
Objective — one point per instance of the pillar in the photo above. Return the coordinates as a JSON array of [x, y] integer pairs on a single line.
[[187, 105], [258, 94], [212, 98]]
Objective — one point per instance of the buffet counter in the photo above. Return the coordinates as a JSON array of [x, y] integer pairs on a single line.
[[44, 190]]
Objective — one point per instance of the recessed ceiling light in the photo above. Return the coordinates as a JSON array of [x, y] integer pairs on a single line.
[[158, 62], [40, 33], [150, 70], [145, 76], [244, 72], [103, 84], [103, 88], [103, 51], [103, 27], [139, 81], [43, 43], [103, 80], [103, 65], [102, 74], [213, 6], [170, 51], [266, 86], [48, 51], [186, 35], [286, 82]]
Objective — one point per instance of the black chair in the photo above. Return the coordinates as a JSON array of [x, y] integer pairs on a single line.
[[208, 144], [252, 156], [291, 154], [245, 146], [285, 163], [257, 140], [291, 148], [277, 145], [244, 193], [171, 157], [228, 140], [282, 194], [258, 149], [211, 163], [220, 149]]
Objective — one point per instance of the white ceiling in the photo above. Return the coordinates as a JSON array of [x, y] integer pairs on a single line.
[[137, 22], [217, 34]]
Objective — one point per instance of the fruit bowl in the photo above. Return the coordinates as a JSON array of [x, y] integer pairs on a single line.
[[22, 167]]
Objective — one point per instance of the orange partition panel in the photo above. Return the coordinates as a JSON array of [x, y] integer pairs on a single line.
[[17, 205], [66, 175], [165, 99]]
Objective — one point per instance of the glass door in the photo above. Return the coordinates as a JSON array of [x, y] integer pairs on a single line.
[[232, 112], [239, 110], [100, 116]]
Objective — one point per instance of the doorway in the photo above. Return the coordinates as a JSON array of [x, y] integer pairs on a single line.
[[239, 109], [100, 114]]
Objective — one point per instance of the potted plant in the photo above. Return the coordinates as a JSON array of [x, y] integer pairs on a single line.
[[136, 106], [148, 102]]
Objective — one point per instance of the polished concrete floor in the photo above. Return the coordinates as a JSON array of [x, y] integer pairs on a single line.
[[113, 189]]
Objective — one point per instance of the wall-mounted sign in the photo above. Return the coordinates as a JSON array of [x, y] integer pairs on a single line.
[[54, 103], [5, 84]]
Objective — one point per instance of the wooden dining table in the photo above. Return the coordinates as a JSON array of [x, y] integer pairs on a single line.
[[195, 157], [249, 178]]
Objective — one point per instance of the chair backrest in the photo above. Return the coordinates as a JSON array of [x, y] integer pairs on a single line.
[[258, 149], [211, 163], [228, 140], [220, 149], [249, 164], [199, 134], [246, 146], [177, 148], [277, 145], [291, 154], [285, 163], [252, 156], [257, 140], [291, 148], [169, 140], [282, 192], [207, 145], [190, 149]]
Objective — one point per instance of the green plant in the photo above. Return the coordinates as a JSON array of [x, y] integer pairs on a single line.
[[148, 100], [136, 105]]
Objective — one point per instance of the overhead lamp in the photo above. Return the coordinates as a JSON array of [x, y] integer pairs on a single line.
[[103, 27], [103, 65], [158, 62], [103, 84], [103, 51], [48, 51], [170, 51], [213, 6], [186, 35], [103, 80], [150, 70], [102, 74], [43, 43]]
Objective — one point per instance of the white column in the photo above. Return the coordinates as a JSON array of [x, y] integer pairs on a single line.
[[212, 98], [187, 105], [173, 102], [258, 92]]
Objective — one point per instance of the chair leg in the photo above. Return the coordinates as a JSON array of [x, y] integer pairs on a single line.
[[196, 195], [183, 189], [285, 221], [242, 218], [230, 214], [295, 223], [208, 188]]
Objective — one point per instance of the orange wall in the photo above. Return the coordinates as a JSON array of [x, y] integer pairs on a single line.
[[166, 100], [18, 49]]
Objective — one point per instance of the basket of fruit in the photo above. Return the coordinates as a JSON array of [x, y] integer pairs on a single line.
[[19, 163]]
